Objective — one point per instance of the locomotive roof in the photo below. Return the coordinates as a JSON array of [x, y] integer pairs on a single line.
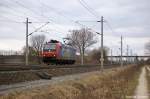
[[53, 41]]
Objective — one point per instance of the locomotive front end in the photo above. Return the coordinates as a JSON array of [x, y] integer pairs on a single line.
[[49, 52]]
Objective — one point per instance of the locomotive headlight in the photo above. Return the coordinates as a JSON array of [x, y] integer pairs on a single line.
[[53, 55]]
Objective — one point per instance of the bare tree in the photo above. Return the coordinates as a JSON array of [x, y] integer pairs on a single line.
[[147, 47], [81, 39], [37, 42], [95, 54]]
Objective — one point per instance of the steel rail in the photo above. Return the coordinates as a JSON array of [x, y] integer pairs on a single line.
[[39, 67]]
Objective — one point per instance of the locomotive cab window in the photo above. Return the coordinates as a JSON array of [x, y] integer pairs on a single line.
[[49, 47], [52, 47]]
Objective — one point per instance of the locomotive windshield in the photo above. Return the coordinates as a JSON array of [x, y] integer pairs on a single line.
[[49, 47]]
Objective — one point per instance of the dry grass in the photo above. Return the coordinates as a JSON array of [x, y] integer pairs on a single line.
[[112, 84]]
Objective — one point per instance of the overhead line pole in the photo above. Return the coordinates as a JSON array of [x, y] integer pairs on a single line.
[[27, 36], [102, 56], [127, 53], [27, 47], [121, 51], [102, 53], [111, 56], [131, 55], [26, 58]]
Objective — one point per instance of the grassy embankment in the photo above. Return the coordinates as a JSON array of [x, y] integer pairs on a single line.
[[111, 84], [27, 75]]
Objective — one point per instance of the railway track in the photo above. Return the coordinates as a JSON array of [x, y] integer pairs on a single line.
[[21, 67]]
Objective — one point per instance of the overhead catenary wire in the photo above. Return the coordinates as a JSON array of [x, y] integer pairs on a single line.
[[52, 21], [12, 10], [60, 13], [88, 8], [87, 27], [92, 11], [52, 9], [14, 21], [38, 28], [17, 2], [31, 10], [110, 27], [9, 20], [21, 5], [56, 11]]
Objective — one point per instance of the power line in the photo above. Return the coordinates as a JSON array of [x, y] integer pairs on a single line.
[[92, 11], [9, 20], [83, 25], [48, 30], [52, 21], [88, 8], [54, 10], [34, 12], [13, 21], [110, 27], [31, 10], [14, 10], [51, 9], [59, 13]]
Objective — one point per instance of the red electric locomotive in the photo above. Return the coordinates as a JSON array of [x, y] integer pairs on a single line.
[[54, 52]]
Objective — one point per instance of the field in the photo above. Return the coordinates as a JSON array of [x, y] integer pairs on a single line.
[[110, 84]]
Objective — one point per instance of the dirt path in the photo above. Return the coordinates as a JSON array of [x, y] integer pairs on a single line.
[[141, 90]]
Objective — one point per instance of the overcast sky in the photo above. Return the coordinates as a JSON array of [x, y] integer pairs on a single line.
[[129, 18]]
